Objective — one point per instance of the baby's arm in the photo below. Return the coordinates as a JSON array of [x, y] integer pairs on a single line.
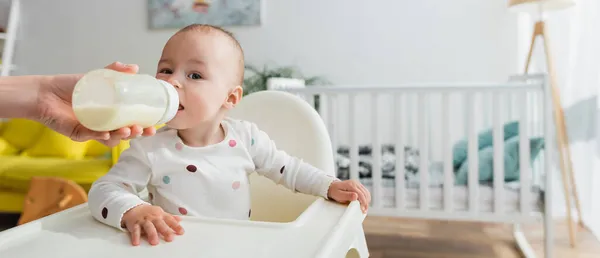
[[300, 176], [117, 192], [284, 169], [114, 199]]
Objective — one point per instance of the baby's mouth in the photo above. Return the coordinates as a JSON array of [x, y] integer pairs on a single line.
[[180, 107]]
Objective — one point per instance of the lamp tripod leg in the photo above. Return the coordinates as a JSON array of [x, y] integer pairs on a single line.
[[562, 138]]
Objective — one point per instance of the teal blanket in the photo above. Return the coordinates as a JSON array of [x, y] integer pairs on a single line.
[[486, 155]]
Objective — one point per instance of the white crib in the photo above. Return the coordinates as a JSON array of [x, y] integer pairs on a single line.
[[430, 132]]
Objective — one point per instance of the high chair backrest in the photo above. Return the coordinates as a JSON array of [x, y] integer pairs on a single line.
[[296, 128]]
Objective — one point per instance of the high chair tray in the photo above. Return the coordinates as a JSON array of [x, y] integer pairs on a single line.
[[325, 229]]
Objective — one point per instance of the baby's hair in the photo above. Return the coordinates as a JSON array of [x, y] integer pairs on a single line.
[[228, 34]]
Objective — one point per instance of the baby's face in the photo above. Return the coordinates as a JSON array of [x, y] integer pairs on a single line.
[[201, 66]]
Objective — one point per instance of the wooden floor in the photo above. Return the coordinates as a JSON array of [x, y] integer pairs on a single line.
[[392, 237]]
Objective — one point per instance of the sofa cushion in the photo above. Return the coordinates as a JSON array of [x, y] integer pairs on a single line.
[[16, 171], [21, 133], [96, 149], [53, 144], [6, 148], [11, 202]]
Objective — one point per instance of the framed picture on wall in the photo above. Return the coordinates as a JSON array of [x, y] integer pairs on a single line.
[[174, 14]]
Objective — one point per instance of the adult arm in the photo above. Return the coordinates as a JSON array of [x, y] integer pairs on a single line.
[[47, 99], [18, 95]]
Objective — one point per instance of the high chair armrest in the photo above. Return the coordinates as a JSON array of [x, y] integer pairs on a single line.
[[324, 230]]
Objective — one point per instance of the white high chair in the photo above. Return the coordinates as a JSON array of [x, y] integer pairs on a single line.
[[283, 223]]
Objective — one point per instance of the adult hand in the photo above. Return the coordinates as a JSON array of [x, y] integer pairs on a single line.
[[54, 109]]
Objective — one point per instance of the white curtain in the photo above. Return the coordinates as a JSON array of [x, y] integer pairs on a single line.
[[574, 39]]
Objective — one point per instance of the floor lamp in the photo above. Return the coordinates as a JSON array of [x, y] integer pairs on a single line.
[[539, 30]]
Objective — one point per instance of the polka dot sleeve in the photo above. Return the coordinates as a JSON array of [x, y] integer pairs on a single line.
[[284, 169], [117, 192]]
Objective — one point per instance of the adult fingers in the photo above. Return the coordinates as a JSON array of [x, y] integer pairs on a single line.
[[125, 133], [135, 131], [82, 133], [164, 230], [149, 131], [121, 67], [110, 143], [116, 136], [135, 232], [151, 233], [120, 133], [173, 222]]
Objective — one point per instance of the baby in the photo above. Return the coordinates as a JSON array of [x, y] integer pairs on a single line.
[[198, 165]]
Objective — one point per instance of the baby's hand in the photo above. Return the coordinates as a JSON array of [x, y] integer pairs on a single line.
[[151, 220], [350, 190]]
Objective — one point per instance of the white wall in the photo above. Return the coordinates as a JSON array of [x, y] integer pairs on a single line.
[[594, 224], [366, 42]]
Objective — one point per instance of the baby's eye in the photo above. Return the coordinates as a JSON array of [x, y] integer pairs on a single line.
[[166, 70], [195, 76]]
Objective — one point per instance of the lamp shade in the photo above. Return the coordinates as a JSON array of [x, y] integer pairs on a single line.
[[539, 5]]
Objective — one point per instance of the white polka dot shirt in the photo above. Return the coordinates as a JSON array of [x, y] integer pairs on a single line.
[[210, 181]]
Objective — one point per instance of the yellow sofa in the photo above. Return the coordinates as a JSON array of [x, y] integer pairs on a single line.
[[29, 149]]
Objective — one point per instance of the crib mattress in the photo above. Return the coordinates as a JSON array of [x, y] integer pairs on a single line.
[[460, 199]]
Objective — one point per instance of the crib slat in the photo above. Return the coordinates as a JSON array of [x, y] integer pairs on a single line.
[[524, 155], [472, 155], [447, 152], [486, 102], [353, 148], [310, 98], [536, 117], [399, 129], [323, 106], [331, 118], [498, 142], [511, 106], [376, 153], [548, 151], [423, 153]]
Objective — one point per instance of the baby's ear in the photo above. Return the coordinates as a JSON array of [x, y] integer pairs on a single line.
[[235, 96]]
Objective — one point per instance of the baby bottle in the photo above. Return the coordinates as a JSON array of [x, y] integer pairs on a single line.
[[105, 100]]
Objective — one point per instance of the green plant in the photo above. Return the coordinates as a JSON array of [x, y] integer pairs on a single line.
[[258, 79]]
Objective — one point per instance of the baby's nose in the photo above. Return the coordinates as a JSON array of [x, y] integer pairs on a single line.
[[175, 83]]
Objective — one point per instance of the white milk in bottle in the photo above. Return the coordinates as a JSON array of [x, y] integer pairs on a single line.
[[105, 100]]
